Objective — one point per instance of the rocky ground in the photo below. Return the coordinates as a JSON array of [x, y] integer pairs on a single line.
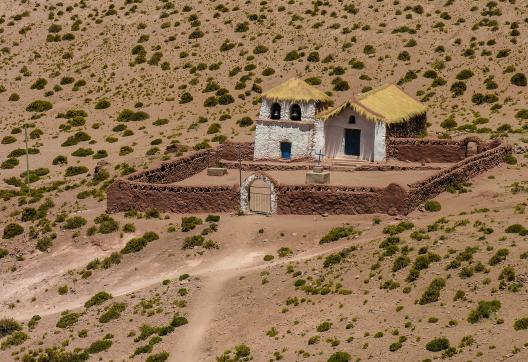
[[116, 83]]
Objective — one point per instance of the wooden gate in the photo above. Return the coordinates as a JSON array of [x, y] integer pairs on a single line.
[[260, 197]]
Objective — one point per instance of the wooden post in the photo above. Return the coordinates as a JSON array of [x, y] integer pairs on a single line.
[[239, 166], [27, 159]]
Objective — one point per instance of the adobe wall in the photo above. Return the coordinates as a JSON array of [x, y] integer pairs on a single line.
[[412, 128], [462, 171], [430, 150], [178, 169], [229, 151], [150, 189], [336, 200], [124, 195]]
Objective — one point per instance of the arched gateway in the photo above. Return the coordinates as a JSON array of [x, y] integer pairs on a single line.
[[258, 194]]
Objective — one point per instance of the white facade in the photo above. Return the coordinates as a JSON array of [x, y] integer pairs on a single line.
[[305, 138], [372, 136]]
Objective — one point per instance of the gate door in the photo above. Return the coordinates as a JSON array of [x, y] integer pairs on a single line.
[[260, 197]]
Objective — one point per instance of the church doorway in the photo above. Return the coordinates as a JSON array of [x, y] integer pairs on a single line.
[[285, 149], [260, 197], [352, 142]]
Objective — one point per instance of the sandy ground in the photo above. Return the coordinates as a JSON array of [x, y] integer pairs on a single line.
[[232, 295], [361, 178]]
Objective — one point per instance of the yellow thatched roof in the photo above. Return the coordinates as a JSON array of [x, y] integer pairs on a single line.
[[298, 90], [387, 103]]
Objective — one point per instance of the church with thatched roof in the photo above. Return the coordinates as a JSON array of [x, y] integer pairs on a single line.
[[297, 122]]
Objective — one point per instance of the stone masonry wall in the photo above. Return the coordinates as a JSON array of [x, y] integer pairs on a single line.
[[430, 150], [150, 189], [124, 195], [336, 200], [462, 171]]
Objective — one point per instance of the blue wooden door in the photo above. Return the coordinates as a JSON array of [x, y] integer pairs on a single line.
[[352, 142], [285, 148]]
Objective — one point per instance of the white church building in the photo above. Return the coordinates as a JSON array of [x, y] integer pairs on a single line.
[[297, 122]]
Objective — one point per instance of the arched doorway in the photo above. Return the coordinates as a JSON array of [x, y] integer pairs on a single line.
[[258, 194], [276, 111]]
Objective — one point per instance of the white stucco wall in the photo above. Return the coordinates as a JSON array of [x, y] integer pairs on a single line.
[[372, 141], [308, 110], [268, 137], [318, 138]]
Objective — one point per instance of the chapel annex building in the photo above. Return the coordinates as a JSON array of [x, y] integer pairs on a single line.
[[296, 122]]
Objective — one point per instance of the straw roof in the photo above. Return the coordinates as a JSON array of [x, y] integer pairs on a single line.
[[298, 90], [387, 103]]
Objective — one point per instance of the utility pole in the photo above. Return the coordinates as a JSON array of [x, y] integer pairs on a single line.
[[27, 159], [239, 166]]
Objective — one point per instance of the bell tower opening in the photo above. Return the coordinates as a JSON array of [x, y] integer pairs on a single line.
[[276, 111], [295, 112]]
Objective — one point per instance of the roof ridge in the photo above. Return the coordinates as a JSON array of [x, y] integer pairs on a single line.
[[361, 96]]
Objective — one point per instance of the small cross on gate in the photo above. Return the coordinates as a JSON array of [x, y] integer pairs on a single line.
[[319, 156]]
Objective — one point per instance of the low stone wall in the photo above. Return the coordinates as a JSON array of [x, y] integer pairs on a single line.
[[177, 170], [229, 151], [336, 200], [124, 195], [149, 189], [430, 150], [459, 172]]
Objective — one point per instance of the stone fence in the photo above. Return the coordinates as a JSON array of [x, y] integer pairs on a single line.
[[433, 150], [153, 189]]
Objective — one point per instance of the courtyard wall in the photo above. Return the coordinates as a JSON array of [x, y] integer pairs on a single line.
[[154, 188]]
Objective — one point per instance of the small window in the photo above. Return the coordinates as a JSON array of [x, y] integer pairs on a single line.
[[295, 112], [352, 120], [275, 111]]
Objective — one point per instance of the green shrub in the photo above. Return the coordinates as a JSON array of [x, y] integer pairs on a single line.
[[74, 222], [178, 321], [400, 262], [98, 299], [520, 324], [338, 233], [106, 223], [519, 80], [8, 326], [75, 170], [3, 253], [39, 106], [99, 346], [128, 115], [485, 309], [212, 218], [137, 244], [432, 293], [158, 357], [102, 104], [398, 228], [437, 344], [67, 319], [14, 339], [339, 357], [112, 312], [432, 206], [59, 160], [499, 256], [12, 230], [510, 159], [189, 223], [193, 241], [245, 122], [40, 83]]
